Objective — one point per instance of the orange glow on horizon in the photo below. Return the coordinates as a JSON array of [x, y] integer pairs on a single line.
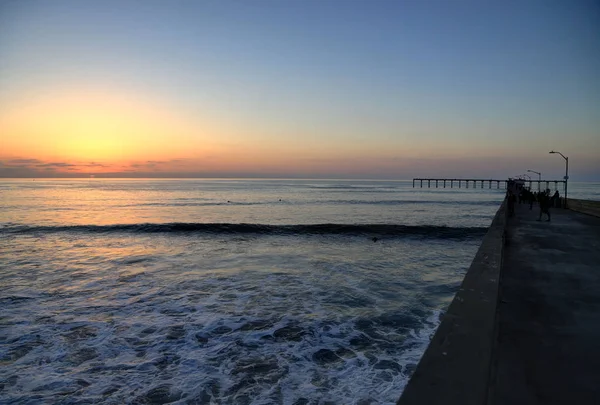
[[90, 131], [98, 126], [101, 131]]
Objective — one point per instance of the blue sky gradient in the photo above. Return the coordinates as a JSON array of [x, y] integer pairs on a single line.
[[447, 80]]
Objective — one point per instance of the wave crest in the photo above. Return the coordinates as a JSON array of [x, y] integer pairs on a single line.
[[387, 230]]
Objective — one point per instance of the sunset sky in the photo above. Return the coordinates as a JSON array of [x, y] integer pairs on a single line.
[[289, 88]]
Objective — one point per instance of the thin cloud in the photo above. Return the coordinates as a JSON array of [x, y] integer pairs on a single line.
[[92, 164], [23, 162], [28, 167], [56, 164], [155, 165]]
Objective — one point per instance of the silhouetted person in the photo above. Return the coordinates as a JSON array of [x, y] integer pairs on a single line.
[[511, 203], [556, 199], [544, 205], [531, 198]]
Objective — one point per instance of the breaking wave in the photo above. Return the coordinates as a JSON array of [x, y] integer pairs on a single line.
[[387, 230]]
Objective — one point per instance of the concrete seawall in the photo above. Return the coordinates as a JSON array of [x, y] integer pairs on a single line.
[[455, 368], [585, 206], [525, 325], [548, 319]]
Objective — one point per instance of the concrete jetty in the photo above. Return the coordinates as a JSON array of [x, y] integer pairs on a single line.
[[541, 342], [585, 206]]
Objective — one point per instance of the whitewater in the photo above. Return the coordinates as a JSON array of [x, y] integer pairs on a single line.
[[226, 291]]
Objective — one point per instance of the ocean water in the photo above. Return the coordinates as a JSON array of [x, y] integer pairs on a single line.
[[226, 291]]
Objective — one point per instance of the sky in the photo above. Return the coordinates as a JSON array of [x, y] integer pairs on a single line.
[[308, 89]]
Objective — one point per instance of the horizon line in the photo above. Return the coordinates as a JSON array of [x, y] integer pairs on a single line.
[[261, 178]]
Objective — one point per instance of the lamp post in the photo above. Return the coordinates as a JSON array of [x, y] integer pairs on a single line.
[[522, 176], [566, 172], [539, 178]]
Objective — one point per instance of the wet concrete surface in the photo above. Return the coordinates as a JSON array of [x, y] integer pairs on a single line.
[[548, 332]]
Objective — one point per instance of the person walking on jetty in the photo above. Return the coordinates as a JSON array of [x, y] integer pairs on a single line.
[[555, 201], [544, 199], [531, 197], [511, 203]]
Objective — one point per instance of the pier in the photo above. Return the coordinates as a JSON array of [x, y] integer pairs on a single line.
[[524, 326], [483, 183]]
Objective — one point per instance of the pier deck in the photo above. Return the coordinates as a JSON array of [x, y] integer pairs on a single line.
[[527, 330], [548, 345]]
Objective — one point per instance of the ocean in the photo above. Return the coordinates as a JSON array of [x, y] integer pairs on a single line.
[[227, 291]]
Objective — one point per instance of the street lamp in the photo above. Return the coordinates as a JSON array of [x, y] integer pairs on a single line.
[[566, 173], [539, 178]]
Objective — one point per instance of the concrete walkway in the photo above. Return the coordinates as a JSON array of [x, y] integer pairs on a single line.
[[548, 331]]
